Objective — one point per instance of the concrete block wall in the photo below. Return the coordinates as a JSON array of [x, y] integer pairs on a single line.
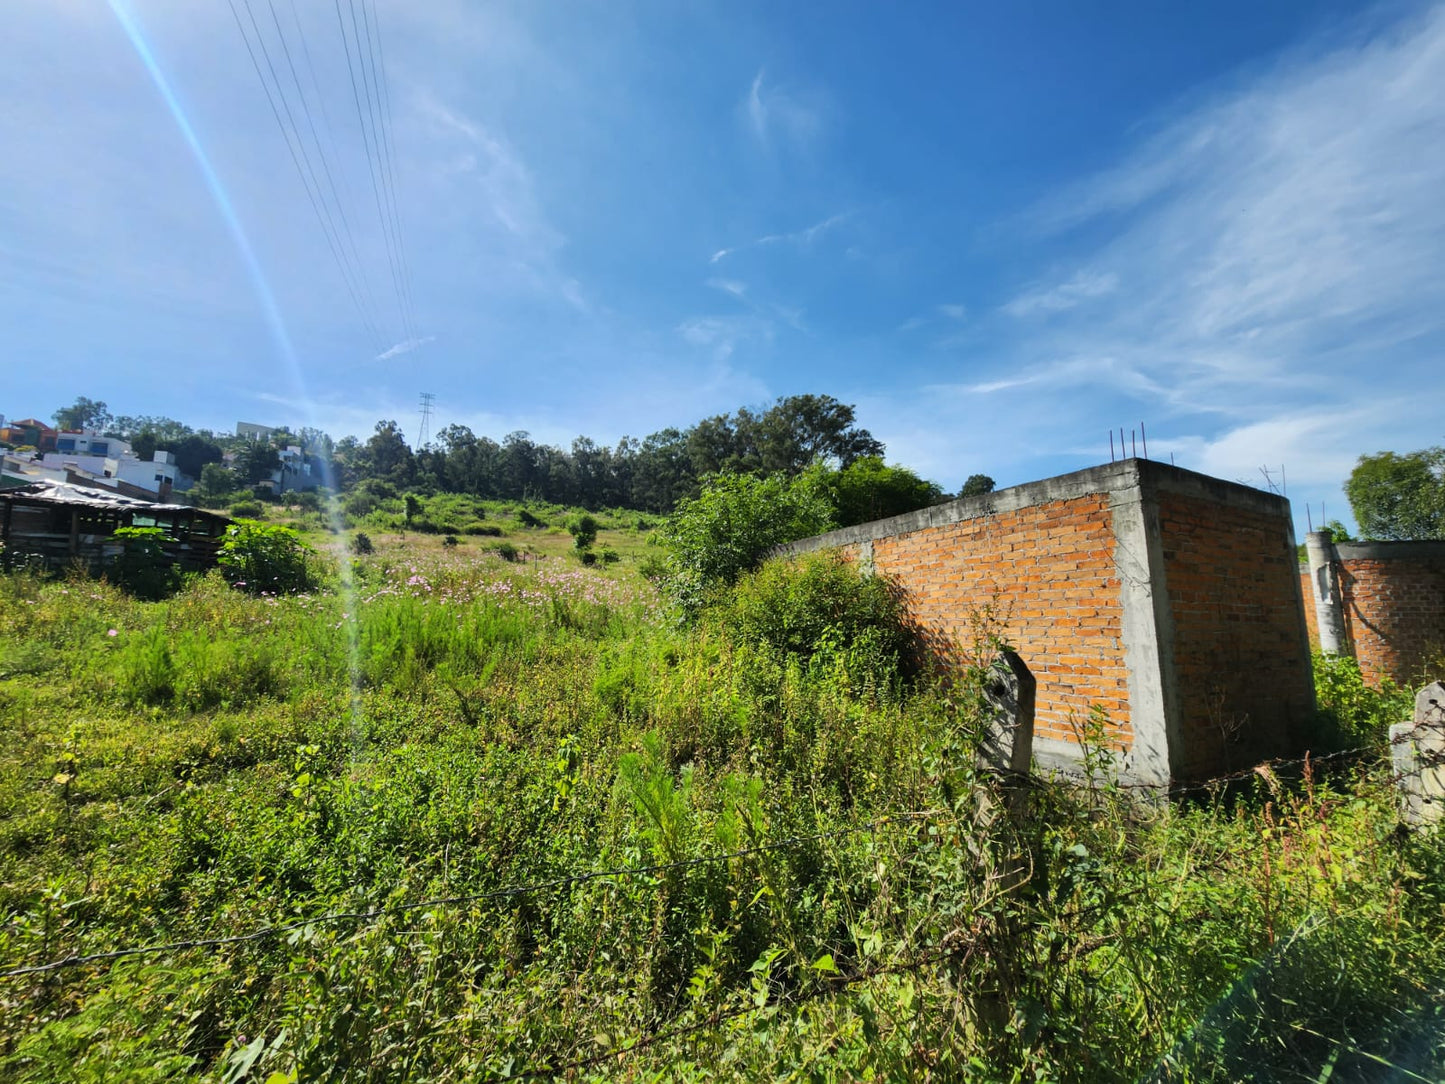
[[1164, 597], [1392, 597]]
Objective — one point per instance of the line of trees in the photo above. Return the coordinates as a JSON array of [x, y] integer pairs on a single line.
[[650, 474]]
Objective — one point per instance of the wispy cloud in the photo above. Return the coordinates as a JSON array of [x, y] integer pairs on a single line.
[[1253, 273], [954, 312], [406, 346], [722, 335], [1082, 286], [803, 237], [729, 286], [775, 113]]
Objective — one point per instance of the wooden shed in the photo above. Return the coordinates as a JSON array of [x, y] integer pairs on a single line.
[[59, 524]]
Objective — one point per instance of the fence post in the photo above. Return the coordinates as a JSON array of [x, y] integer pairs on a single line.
[[1325, 587], [1417, 756]]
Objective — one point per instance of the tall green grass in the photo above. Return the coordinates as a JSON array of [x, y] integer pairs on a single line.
[[222, 763]]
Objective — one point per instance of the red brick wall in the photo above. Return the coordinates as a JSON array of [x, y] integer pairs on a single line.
[[1395, 613], [1241, 676], [1049, 571]]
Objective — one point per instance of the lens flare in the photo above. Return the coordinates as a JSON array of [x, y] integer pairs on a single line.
[[274, 322]]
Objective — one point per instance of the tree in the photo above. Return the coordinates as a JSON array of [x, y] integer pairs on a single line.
[[83, 414], [869, 489], [801, 429], [193, 453], [583, 530], [215, 481], [732, 524], [387, 456], [1399, 497], [976, 486], [256, 462]]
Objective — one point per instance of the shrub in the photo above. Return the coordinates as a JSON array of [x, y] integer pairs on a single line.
[[583, 529], [587, 557], [488, 530], [526, 519], [248, 509], [259, 557], [817, 604], [1360, 715], [449, 540], [361, 544], [732, 524], [143, 568], [505, 550], [653, 567], [609, 555]]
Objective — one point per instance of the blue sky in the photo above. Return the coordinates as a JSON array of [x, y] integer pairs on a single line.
[[1000, 230]]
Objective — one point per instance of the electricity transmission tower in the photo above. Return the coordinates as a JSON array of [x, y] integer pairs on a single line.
[[427, 399]]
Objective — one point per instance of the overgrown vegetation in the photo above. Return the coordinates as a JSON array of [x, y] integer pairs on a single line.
[[389, 820]]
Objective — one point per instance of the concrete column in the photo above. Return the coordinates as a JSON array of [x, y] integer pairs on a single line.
[[1325, 587]]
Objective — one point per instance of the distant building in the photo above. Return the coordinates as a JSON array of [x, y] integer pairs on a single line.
[[89, 442], [252, 431], [29, 431]]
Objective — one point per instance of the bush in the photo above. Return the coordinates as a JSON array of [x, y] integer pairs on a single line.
[[248, 510], [360, 504], [583, 529], [449, 540], [526, 519], [814, 605], [732, 524], [1360, 715], [361, 544], [609, 555], [143, 568], [505, 550], [259, 557], [587, 557], [487, 530]]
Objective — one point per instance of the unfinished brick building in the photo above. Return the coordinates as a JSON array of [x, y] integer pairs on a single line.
[[1382, 602], [1166, 598]]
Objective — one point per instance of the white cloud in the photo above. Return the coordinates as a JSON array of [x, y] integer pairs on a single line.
[[406, 346], [803, 237], [723, 334], [954, 312], [1082, 286], [1261, 280], [774, 113], [729, 286]]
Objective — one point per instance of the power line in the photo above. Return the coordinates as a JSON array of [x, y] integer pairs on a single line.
[[354, 253], [379, 81], [323, 217], [369, 140]]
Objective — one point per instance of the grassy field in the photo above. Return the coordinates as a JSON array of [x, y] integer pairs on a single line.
[[480, 819]]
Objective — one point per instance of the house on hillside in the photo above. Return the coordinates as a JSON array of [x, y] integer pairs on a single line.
[[29, 432], [58, 524]]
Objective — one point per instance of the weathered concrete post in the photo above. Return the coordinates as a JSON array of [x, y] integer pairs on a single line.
[[1325, 585], [1417, 755], [1010, 688]]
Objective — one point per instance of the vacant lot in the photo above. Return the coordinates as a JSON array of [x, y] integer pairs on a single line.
[[474, 819]]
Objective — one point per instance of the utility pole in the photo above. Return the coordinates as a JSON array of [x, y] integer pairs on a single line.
[[427, 399]]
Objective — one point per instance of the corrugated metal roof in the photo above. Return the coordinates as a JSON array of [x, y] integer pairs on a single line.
[[66, 493]]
